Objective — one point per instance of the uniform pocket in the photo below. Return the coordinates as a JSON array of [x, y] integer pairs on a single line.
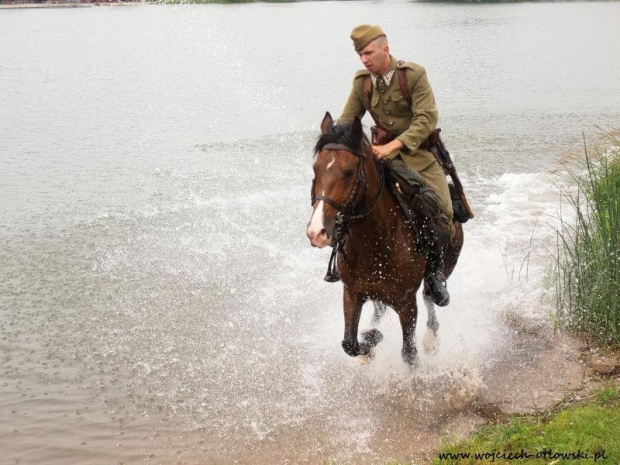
[[398, 103]]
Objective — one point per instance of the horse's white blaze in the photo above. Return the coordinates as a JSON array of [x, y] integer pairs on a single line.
[[329, 165], [316, 221]]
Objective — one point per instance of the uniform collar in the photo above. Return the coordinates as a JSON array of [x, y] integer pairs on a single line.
[[387, 78]]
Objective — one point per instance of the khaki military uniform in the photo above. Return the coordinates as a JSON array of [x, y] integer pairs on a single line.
[[411, 125]]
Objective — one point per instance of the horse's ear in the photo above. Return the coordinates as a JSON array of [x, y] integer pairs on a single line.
[[356, 128], [327, 124]]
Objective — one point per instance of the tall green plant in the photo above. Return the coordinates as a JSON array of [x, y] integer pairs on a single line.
[[588, 261]]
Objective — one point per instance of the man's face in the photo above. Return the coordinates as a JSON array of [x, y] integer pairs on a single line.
[[375, 58]]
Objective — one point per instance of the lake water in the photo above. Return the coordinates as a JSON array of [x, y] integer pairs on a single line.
[[159, 301]]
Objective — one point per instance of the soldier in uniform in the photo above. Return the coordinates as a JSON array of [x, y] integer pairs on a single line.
[[409, 125]]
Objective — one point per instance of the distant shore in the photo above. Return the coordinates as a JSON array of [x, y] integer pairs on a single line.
[[70, 4], [88, 4]]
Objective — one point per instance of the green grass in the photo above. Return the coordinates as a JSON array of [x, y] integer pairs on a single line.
[[593, 430], [588, 260]]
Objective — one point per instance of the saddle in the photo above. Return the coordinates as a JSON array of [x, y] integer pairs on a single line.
[[419, 204]]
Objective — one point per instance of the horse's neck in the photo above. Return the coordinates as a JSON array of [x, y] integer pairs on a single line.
[[385, 216]]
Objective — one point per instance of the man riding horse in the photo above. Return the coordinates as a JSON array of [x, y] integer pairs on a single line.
[[400, 100]]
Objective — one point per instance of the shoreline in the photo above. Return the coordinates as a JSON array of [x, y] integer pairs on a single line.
[[17, 6]]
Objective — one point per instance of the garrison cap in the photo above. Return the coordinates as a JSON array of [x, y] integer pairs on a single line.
[[365, 34]]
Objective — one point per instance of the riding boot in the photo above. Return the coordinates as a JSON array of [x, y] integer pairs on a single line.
[[435, 281], [434, 234]]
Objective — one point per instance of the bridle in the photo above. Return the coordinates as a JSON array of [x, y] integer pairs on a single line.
[[345, 211]]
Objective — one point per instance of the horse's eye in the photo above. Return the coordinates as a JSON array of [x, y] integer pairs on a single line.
[[348, 174]]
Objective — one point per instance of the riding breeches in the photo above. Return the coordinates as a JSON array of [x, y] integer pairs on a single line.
[[436, 180]]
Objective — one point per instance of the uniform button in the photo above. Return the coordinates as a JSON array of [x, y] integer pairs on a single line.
[[387, 112], [391, 123], [383, 91], [385, 102]]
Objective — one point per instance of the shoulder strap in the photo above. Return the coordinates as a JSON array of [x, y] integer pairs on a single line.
[[404, 88], [367, 89]]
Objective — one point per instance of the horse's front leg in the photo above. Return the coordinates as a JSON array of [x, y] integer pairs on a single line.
[[352, 306], [373, 336], [408, 316]]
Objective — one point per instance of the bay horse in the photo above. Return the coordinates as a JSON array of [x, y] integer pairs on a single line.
[[377, 256]]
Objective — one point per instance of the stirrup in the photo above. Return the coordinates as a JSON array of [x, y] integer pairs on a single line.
[[332, 277], [437, 289]]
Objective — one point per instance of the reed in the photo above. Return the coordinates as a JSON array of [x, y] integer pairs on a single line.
[[588, 246]]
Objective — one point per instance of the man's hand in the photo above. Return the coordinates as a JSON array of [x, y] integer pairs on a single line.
[[382, 151]]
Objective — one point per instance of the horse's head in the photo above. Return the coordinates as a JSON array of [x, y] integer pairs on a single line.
[[338, 176]]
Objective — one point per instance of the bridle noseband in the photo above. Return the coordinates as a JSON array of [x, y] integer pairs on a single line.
[[344, 216]]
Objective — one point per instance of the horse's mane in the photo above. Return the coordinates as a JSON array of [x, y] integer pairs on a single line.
[[341, 134]]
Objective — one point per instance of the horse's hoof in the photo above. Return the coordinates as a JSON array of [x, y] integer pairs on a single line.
[[366, 359], [372, 337], [351, 348], [410, 357], [430, 342]]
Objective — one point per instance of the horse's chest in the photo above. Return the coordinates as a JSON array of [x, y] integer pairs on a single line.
[[384, 280]]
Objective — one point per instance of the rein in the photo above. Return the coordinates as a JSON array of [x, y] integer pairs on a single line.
[[344, 217]]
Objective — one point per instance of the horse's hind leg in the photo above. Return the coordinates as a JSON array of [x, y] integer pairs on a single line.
[[431, 336], [453, 250]]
